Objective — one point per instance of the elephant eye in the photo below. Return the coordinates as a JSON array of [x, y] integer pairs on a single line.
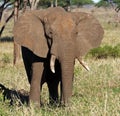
[[76, 32], [50, 32]]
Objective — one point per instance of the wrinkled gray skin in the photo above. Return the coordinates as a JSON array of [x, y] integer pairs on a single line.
[[52, 34]]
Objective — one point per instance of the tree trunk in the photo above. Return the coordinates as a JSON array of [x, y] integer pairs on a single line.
[[1, 11], [4, 24], [16, 51], [24, 5], [34, 4], [52, 5], [2, 8], [56, 3]]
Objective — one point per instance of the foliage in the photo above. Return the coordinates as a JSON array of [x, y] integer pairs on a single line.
[[106, 3], [63, 3], [81, 2], [116, 51], [103, 3], [105, 51], [45, 3], [116, 1]]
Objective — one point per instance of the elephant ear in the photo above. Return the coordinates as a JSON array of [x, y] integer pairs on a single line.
[[29, 32], [89, 33]]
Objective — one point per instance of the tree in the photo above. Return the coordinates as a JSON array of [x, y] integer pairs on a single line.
[[81, 2], [15, 5], [117, 2], [114, 3], [63, 3], [103, 3], [48, 3], [4, 5]]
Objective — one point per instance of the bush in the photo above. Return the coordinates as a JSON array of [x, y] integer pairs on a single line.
[[116, 51], [105, 52]]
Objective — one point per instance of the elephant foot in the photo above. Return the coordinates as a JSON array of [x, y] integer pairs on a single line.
[[62, 104], [54, 103], [34, 104]]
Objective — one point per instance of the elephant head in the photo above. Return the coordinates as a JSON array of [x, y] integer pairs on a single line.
[[66, 35]]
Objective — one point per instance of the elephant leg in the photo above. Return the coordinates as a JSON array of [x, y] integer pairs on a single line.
[[53, 82], [35, 87], [53, 90], [34, 69], [27, 56]]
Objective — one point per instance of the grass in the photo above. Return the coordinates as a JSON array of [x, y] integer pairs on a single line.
[[95, 93]]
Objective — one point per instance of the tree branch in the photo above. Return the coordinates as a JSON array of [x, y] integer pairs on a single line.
[[6, 22], [8, 5]]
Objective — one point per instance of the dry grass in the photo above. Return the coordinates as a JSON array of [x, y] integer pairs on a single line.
[[95, 93]]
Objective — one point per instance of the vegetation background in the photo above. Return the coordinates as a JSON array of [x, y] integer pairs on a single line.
[[95, 93]]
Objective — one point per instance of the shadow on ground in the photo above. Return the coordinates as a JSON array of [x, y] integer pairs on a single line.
[[6, 39], [13, 95]]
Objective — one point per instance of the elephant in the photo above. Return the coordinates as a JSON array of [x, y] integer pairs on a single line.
[[50, 41]]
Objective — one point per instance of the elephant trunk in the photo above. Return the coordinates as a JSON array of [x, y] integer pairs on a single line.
[[67, 59], [67, 67]]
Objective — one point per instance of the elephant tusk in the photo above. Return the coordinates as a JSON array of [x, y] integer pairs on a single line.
[[52, 63], [84, 64]]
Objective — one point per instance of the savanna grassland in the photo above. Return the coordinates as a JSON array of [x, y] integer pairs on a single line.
[[95, 93]]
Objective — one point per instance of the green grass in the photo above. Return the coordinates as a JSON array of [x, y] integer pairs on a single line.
[[95, 93]]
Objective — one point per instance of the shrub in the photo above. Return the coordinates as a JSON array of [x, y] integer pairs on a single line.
[[97, 53], [116, 51], [105, 52]]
